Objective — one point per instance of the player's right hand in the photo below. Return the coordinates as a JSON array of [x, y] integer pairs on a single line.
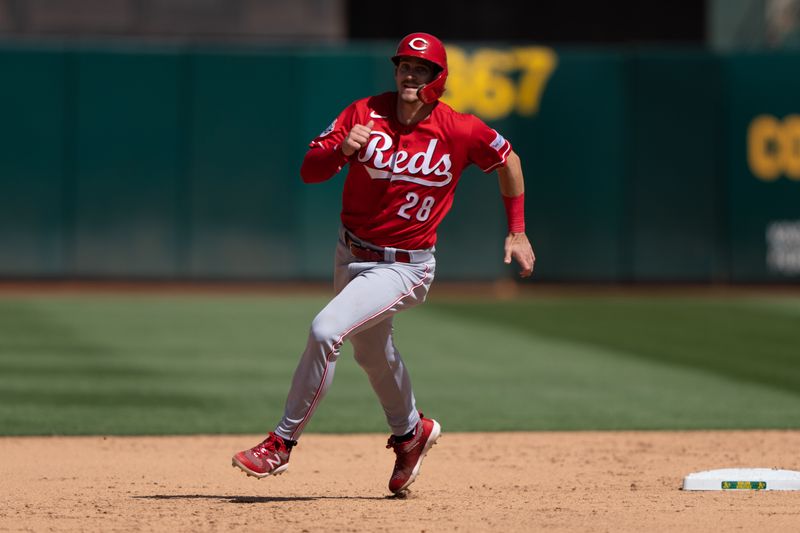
[[357, 138]]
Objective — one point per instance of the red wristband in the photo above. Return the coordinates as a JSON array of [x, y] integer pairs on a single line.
[[515, 213]]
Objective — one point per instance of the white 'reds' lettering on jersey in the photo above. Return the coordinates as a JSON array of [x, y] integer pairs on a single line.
[[402, 165]]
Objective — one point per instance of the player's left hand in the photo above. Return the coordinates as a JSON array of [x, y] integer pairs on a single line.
[[518, 247]]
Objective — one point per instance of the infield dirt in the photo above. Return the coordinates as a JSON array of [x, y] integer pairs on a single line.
[[577, 481]]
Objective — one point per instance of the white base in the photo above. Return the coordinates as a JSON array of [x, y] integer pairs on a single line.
[[743, 479]]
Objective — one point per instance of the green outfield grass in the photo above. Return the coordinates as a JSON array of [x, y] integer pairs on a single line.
[[117, 364]]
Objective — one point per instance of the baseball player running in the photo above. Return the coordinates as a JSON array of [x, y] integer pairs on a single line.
[[406, 151]]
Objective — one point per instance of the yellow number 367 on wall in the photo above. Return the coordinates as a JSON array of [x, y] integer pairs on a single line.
[[493, 83]]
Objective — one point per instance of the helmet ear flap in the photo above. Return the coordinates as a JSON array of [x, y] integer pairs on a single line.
[[430, 92]]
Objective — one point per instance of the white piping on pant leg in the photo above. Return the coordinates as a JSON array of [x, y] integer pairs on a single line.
[[339, 342]]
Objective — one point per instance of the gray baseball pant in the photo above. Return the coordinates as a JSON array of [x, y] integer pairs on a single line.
[[368, 295]]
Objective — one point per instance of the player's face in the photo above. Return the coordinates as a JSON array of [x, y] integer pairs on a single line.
[[409, 75]]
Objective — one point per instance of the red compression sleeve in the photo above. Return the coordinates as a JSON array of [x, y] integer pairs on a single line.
[[320, 164], [515, 212]]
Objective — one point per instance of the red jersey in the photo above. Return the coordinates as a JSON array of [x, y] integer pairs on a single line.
[[401, 184]]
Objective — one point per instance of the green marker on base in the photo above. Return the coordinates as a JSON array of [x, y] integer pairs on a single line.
[[744, 485]]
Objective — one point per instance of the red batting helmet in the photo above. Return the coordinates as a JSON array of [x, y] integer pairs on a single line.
[[425, 46]]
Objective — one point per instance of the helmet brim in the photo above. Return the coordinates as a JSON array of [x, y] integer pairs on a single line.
[[436, 68]]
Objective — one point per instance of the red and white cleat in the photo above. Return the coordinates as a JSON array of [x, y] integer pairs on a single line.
[[269, 458], [411, 453]]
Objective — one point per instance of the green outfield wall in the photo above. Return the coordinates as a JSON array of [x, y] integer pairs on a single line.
[[182, 163]]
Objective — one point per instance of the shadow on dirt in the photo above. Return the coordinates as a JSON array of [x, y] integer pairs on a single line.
[[256, 499]]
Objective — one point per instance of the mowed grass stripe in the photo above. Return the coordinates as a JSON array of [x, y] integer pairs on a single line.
[[190, 364], [516, 379], [749, 340]]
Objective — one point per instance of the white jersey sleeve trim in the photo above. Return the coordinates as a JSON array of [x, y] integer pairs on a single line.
[[503, 156]]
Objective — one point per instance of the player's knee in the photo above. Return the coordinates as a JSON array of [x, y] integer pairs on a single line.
[[324, 330]]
